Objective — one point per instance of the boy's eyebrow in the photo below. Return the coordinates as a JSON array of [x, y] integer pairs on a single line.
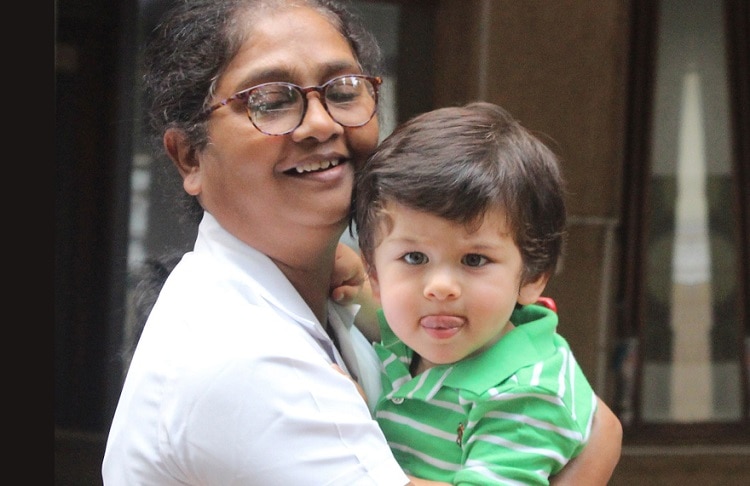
[[405, 239]]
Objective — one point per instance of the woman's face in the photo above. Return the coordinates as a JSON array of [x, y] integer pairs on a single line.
[[276, 191]]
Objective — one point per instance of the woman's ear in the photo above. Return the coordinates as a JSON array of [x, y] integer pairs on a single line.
[[184, 158], [530, 292]]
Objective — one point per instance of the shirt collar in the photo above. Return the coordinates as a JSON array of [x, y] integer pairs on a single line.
[[531, 341], [248, 267]]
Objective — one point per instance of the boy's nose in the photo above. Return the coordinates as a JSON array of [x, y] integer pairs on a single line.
[[442, 285]]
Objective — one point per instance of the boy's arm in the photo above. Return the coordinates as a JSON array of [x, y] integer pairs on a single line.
[[348, 275], [350, 285], [366, 319], [596, 463]]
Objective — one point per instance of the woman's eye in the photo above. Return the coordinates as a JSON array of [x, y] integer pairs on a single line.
[[415, 258], [474, 260], [273, 102]]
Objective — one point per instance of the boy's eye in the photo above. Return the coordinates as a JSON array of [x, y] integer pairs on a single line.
[[415, 258], [474, 260]]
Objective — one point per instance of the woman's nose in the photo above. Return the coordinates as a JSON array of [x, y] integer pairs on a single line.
[[442, 284], [317, 122]]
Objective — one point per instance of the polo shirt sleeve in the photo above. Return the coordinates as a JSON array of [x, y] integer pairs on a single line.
[[525, 435]]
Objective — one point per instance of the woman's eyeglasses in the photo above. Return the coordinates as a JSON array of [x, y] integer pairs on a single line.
[[279, 108]]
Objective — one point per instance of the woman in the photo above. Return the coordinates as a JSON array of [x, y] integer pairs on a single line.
[[233, 379]]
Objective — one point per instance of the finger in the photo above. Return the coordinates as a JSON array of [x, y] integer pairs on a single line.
[[348, 269], [346, 294]]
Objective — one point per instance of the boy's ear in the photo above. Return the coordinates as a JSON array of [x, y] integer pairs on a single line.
[[530, 292], [374, 284], [184, 158]]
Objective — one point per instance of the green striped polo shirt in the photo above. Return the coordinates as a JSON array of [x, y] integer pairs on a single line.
[[515, 414]]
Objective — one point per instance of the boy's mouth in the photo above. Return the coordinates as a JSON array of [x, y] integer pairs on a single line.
[[442, 326]]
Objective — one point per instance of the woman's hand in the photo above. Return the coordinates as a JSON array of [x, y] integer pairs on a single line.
[[359, 387], [425, 482]]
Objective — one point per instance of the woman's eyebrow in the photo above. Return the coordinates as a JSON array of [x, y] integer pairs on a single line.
[[290, 75], [257, 77]]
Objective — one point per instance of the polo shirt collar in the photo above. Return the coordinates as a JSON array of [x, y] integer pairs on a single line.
[[531, 341]]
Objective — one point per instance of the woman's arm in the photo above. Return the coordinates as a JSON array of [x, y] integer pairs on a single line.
[[595, 465], [426, 482]]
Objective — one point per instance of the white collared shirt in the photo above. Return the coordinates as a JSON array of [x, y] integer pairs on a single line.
[[231, 383]]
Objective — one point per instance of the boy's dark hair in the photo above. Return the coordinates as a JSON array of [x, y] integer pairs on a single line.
[[458, 162]]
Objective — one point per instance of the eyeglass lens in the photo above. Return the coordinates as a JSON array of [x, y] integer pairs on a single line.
[[278, 108]]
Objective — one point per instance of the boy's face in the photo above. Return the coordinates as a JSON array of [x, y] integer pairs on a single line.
[[448, 293]]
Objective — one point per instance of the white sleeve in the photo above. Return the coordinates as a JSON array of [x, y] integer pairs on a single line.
[[358, 352], [369, 368], [277, 414]]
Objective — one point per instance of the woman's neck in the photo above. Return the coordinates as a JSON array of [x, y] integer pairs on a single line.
[[304, 254], [309, 271]]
